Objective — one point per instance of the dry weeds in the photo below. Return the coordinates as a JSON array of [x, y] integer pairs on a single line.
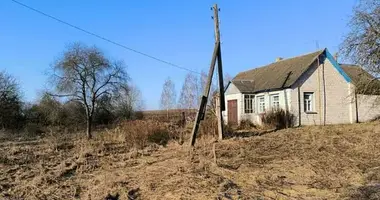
[[331, 162]]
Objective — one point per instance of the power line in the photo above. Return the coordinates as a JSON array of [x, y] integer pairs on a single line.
[[103, 38]]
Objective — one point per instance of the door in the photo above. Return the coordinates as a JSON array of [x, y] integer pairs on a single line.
[[232, 112]]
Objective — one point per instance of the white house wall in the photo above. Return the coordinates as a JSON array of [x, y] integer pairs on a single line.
[[232, 93], [255, 117], [232, 89], [368, 107], [238, 98], [332, 108]]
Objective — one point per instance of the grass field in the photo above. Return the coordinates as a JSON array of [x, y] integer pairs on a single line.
[[331, 162]]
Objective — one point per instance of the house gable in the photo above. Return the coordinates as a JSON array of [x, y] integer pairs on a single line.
[[330, 89], [337, 66], [231, 89]]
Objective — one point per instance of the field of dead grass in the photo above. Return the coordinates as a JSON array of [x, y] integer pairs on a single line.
[[331, 162]]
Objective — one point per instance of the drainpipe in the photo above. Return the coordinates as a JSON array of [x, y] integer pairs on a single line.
[[286, 107], [319, 92], [324, 95], [356, 107], [286, 101], [299, 106]]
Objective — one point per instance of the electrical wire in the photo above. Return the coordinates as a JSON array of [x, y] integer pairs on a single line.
[[103, 38]]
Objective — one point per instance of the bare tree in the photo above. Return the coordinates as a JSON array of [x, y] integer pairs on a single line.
[[202, 81], [134, 99], [227, 78], [128, 102], [189, 92], [85, 74], [10, 103], [51, 110], [362, 43], [168, 96]]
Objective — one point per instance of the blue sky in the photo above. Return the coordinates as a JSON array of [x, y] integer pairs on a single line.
[[253, 33]]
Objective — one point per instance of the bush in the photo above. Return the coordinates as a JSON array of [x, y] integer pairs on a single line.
[[228, 130], [209, 127], [10, 103], [32, 129], [245, 124], [159, 136], [278, 118]]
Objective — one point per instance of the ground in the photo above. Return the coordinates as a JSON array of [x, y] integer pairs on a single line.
[[330, 162]]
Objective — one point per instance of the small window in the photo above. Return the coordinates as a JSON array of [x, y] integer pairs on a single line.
[[275, 101], [261, 101], [308, 98], [248, 103]]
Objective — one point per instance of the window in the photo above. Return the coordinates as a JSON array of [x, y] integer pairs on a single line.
[[308, 99], [275, 101], [261, 101], [248, 103]]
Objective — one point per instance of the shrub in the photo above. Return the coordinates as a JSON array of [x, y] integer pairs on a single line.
[[245, 124], [228, 130], [209, 127], [278, 118], [32, 129], [159, 136]]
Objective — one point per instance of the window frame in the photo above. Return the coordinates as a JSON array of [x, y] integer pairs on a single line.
[[261, 104], [250, 98], [272, 102], [308, 103]]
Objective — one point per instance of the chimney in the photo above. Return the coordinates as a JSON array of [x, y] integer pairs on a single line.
[[278, 59], [336, 56]]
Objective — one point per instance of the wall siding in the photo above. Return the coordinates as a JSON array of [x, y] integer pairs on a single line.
[[233, 93], [335, 107], [232, 89], [368, 107]]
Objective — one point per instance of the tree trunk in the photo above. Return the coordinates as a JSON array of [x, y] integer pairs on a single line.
[[89, 127]]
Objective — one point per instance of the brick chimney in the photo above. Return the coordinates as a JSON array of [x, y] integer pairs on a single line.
[[278, 59]]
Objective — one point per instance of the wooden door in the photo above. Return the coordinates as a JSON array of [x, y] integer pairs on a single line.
[[232, 112]]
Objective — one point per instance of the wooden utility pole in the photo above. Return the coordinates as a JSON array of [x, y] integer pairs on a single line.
[[216, 57], [220, 100]]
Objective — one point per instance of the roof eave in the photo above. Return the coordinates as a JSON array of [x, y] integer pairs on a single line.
[[266, 90]]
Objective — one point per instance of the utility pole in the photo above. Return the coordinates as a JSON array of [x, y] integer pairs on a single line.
[[220, 100], [216, 57]]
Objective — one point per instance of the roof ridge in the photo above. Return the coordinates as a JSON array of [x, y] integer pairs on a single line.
[[287, 59], [305, 54]]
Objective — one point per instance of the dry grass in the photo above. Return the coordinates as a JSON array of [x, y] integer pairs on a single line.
[[332, 162]]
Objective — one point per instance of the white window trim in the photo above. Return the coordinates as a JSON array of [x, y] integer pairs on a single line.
[[259, 104], [272, 101], [312, 102], [252, 103]]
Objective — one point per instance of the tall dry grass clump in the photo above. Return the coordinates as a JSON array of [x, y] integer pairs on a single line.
[[278, 118], [139, 133], [209, 128]]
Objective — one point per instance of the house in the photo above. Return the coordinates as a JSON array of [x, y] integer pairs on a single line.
[[314, 87]]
